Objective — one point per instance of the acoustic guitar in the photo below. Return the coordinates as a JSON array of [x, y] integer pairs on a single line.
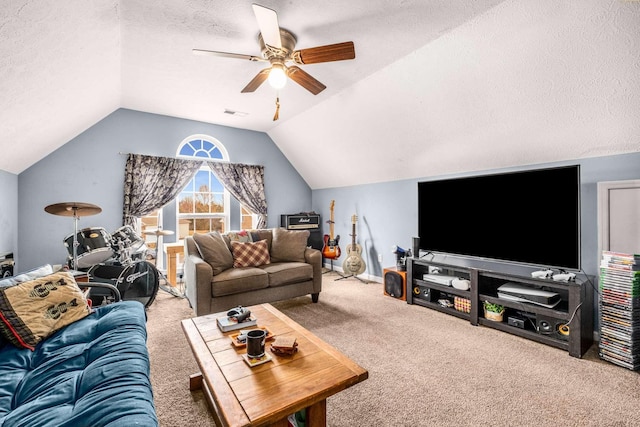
[[354, 264], [331, 249]]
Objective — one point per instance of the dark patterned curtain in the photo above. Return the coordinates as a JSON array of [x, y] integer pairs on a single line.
[[152, 182], [245, 183]]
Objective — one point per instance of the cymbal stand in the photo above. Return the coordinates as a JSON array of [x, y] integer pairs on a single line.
[[76, 218], [173, 289], [73, 209]]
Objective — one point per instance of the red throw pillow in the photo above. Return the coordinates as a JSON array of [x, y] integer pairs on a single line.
[[250, 254]]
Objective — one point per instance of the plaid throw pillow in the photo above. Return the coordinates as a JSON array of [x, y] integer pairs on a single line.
[[250, 254]]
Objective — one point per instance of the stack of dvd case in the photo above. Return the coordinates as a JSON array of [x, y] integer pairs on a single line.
[[620, 309]]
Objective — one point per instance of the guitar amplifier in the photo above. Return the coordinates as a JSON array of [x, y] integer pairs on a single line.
[[304, 221], [301, 221]]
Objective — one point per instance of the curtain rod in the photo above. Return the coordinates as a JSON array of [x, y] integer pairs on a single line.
[[122, 153], [197, 159]]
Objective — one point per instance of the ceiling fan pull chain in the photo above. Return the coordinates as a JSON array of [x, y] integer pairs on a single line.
[[277, 115]]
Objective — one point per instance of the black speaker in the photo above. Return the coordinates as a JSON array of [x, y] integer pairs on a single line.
[[545, 324], [416, 247], [552, 327], [562, 331], [395, 283], [425, 293]]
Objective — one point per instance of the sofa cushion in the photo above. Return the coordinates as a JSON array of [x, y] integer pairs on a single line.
[[214, 251], [238, 280], [285, 273], [250, 254], [264, 234], [289, 245], [31, 311], [239, 236]]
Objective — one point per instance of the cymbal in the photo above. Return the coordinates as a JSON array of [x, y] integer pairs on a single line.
[[158, 232], [73, 208]]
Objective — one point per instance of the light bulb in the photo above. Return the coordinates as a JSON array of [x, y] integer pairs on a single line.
[[277, 76]]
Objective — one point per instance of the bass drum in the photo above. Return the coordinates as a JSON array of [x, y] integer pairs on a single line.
[[138, 281]]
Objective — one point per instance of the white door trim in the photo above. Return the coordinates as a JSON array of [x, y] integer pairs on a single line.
[[604, 190]]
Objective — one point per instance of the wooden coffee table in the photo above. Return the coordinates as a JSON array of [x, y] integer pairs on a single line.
[[267, 394]]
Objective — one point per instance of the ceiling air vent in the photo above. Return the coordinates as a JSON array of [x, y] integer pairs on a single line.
[[235, 113]]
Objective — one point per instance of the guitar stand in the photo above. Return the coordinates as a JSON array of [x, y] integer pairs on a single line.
[[331, 270], [350, 275]]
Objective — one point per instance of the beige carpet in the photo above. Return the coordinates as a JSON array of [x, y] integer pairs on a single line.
[[425, 368]]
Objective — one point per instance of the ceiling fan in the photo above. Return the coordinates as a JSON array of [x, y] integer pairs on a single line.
[[278, 48]]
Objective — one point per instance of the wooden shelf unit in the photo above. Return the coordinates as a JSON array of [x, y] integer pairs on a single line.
[[576, 305]]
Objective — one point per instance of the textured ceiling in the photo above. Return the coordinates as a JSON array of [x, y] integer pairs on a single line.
[[437, 86]]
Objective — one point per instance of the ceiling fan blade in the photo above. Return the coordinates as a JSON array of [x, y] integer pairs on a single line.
[[305, 80], [328, 53], [268, 24], [227, 55], [257, 81]]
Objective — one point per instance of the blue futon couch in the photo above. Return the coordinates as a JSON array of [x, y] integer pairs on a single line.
[[91, 372]]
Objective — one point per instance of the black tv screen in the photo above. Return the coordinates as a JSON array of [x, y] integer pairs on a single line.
[[530, 217]]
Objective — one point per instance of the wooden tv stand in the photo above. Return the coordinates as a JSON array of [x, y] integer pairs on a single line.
[[575, 308]]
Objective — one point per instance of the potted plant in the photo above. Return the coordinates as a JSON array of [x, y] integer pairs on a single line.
[[493, 311]]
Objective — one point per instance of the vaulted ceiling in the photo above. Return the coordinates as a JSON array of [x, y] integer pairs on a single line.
[[437, 86]]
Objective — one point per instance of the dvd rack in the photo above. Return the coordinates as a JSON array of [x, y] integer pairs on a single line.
[[620, 309], [567, 326]]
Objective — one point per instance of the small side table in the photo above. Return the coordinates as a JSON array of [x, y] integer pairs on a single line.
[[173, 249]]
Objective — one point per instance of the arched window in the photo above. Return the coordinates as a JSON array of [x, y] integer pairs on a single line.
[[203, 205]]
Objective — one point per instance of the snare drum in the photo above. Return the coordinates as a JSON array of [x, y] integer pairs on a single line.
[[94, 246]]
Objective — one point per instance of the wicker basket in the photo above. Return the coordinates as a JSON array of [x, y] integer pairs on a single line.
[[496, 317]]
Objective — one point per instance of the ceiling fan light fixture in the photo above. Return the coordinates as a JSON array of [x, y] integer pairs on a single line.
[[277, 76]]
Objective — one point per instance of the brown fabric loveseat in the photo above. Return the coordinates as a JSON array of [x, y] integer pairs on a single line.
[[249, 267]]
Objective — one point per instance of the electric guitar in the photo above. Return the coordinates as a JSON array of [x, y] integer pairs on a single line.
[[331, 249], [354, 263]]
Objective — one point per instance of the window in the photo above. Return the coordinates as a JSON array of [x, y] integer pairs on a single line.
[[147, 222], [203, 204], [248, 220]]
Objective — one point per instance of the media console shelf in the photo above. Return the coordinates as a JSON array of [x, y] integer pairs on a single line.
[[528, 320], [427, 293]]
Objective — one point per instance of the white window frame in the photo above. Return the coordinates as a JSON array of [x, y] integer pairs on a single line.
[[226, 215]]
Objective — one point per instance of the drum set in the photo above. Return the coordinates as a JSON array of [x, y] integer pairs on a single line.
[[95, 245], [118, 258]]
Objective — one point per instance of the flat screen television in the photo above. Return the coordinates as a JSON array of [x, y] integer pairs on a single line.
[[530, 217]]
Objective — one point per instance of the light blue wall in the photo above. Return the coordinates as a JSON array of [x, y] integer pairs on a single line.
[[89, 169], [387, 213], [8, 212]]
